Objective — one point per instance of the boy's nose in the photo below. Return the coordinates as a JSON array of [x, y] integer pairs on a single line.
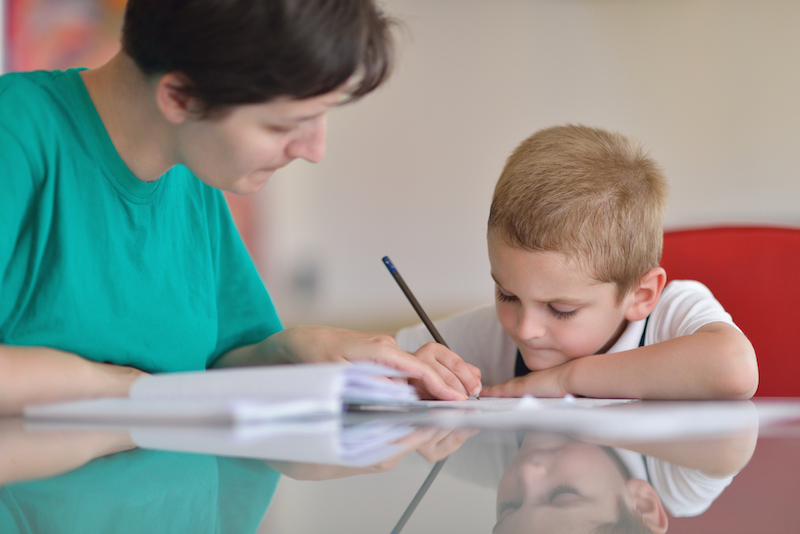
[[530, 324], [532, 478]]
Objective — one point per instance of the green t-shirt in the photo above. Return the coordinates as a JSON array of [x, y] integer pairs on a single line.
[[139, 491], [96, 262]]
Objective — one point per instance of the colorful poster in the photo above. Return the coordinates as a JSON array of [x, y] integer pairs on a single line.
[[57, 34]]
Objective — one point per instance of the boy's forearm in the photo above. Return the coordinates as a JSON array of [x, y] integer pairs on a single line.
[[716, 362], [716, 456], [31, 375]]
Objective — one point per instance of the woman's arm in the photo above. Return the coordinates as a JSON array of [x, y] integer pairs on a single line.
[[312, 344], [26, 454], [30, 375]]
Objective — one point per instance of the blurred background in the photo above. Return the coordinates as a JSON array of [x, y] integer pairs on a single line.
[[709, 86]]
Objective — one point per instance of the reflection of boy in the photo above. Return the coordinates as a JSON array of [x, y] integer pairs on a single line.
[[575, 237], [557, 484]]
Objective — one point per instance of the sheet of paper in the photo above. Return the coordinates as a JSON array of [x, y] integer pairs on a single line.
[[191, 412], [609, 419], [512, 403]]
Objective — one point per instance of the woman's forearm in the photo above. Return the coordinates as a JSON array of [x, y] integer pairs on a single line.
[[31, 454], [30, 375]]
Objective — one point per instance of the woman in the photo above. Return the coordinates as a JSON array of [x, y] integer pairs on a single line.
[[118, 256]]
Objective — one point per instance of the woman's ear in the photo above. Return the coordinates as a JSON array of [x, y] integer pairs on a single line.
[[648, 505], [175, 105], [646, 294]]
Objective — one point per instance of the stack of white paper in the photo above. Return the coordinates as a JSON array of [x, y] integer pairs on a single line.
[[242, 395]]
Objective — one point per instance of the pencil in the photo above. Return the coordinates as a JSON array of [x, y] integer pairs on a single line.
[[422, 315], [418, 497]]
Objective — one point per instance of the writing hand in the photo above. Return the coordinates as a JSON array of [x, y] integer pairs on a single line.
[[456, 373]]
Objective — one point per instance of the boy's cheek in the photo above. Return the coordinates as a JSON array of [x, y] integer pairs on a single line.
[[507, 316]]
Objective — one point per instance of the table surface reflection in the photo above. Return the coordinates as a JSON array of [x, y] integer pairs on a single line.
[[678, 467]]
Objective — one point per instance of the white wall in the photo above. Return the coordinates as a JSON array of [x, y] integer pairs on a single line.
[[711, 86]]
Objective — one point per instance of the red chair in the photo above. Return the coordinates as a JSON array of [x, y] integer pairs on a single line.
[[755, 273]]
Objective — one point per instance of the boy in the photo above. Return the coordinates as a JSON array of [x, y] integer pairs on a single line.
[[575, 236]]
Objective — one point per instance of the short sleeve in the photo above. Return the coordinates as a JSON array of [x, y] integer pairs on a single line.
[[246, 314], [684, 491], [684, 307], [16, 182]]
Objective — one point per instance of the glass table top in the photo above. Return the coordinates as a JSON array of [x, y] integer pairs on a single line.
[[581, 466]]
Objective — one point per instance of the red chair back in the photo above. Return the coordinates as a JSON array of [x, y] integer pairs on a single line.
[[755, 273]]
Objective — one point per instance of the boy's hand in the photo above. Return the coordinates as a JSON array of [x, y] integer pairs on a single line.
[[544, 383], [444, 441], [456, 373]]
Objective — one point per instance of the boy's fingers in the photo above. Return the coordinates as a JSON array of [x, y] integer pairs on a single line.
[[456, 372], [476, 371], [446, 371], [464, 372], [415, 368], [449, 378], [445, 443], [515, 387]]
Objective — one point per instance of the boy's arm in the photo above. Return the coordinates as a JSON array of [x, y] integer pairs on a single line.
[[31, 375], [715, 362], [717, 456]]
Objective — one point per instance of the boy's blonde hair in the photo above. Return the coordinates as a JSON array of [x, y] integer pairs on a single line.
[[593, 195]]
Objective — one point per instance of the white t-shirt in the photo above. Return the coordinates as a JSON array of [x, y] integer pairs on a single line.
[[478, 337], [684, 306]]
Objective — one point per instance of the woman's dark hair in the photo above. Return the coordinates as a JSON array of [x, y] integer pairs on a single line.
[[251, 51]]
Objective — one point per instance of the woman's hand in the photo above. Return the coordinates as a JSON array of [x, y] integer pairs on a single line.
[[439, 371], [431, 443]]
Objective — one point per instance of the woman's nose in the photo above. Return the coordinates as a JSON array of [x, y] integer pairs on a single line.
[[310, 142]]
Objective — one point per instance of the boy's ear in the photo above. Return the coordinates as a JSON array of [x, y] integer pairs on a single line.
[[646, 294], [648, 505], [171, 100]]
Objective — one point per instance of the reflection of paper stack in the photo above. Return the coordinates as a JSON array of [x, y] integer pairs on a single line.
[[328, 441], [243, 395]]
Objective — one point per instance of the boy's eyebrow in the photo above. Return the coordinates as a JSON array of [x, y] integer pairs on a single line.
[[566, 301], [495, 280]]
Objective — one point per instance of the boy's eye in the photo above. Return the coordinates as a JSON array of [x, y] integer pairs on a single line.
[[561, 314], [502, 297], [563, 495]]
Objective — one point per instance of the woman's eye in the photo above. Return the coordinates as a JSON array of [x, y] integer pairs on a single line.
[[280, 128], [561, 314], [502, 297]]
